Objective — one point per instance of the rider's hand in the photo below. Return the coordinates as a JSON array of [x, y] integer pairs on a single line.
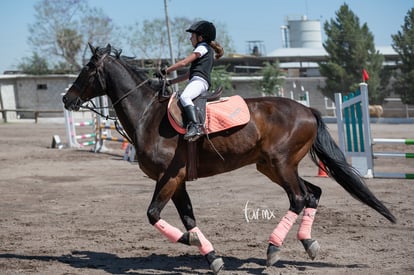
[[161, 73]]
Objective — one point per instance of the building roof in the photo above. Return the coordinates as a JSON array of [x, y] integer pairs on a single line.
[[42, 76], [319, 54], [299, 52]]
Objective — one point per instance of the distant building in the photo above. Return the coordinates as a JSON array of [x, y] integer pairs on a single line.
[[29, 92], [302, 50], [301, 33]]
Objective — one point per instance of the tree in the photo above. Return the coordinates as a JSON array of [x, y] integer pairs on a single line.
[[272, 79], [149, 39], [69, 42], [34, 65], [221, 78], [62, 29], [403, 44], [351, 49]]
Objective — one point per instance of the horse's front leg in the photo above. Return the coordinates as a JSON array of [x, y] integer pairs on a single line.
[[304, 233], [175, 189], [194, 236], [162, 194]]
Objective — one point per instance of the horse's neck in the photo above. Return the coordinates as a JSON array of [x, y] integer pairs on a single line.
[[126, 87], [135, 100], [133, 109]]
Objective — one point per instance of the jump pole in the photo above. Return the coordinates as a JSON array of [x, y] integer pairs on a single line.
[[101, 103], [72, 138], [105, 127], [101, 131], [75, 140], [394, 176], [355, 140], [393, 141]]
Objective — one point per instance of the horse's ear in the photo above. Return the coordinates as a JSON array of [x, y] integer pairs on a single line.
[[108, 48], [93, 50]]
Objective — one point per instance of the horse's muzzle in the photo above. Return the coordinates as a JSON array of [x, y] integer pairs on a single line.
[[72, 103]]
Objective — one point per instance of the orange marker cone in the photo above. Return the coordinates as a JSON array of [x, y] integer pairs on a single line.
[[124, 145], [321, 172]]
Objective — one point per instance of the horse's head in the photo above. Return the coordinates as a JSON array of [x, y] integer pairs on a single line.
[[90, 82]]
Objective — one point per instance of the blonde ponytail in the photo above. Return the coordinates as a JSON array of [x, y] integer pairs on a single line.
[[217, 48]]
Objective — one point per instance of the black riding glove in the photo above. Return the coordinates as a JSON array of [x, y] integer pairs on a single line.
[[157, 84], [161, 73]]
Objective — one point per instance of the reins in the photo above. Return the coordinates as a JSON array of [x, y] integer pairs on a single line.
[[118, 127], [129, 92]]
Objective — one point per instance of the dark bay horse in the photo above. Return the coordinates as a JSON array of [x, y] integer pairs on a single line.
[[277, 137]]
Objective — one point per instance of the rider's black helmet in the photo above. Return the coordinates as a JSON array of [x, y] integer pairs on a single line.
[[205, 29]]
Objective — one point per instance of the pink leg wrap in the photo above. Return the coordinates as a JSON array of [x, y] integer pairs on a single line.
[[169, 231], [282, 229], [305, 227], [206, 247]]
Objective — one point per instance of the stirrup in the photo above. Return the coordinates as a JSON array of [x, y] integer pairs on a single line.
[[193, 137], [194, 132]]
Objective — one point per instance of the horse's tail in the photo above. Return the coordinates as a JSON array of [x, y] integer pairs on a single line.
[[327, 151]]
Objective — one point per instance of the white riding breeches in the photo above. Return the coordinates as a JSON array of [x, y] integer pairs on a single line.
[[194, 88]]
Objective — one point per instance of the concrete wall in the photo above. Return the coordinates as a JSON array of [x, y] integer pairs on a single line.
[[44, 93], [36, 92]]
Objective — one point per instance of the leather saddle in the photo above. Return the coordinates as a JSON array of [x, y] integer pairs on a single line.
[[176, 109]]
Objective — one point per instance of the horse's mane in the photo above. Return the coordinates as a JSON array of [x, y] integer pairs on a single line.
[[128, 61]]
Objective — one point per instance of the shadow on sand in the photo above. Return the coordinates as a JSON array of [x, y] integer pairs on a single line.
[[188, 264]]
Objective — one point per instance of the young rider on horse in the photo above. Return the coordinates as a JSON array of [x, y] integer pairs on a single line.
[[203, 34]]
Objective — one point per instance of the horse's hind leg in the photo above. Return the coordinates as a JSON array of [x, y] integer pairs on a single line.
[[313, 193], [279, 234], [194, 236], [302, 194], [289, 180]]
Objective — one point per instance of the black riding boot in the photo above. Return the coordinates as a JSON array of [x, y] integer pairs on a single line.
[[193, 125]]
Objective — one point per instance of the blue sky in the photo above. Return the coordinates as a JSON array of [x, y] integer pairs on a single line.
[[244, 20]]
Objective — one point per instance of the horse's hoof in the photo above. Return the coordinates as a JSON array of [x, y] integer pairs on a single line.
[[272, 255], [312, 247], [217, 265]]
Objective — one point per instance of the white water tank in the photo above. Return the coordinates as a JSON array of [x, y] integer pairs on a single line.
[[304, 33]]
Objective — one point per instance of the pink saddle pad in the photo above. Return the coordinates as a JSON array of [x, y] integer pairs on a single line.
[[222, 114]]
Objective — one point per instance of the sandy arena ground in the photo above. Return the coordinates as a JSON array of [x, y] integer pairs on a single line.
[[76, 212]]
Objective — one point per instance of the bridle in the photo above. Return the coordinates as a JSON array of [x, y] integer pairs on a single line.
[[97, 74]]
